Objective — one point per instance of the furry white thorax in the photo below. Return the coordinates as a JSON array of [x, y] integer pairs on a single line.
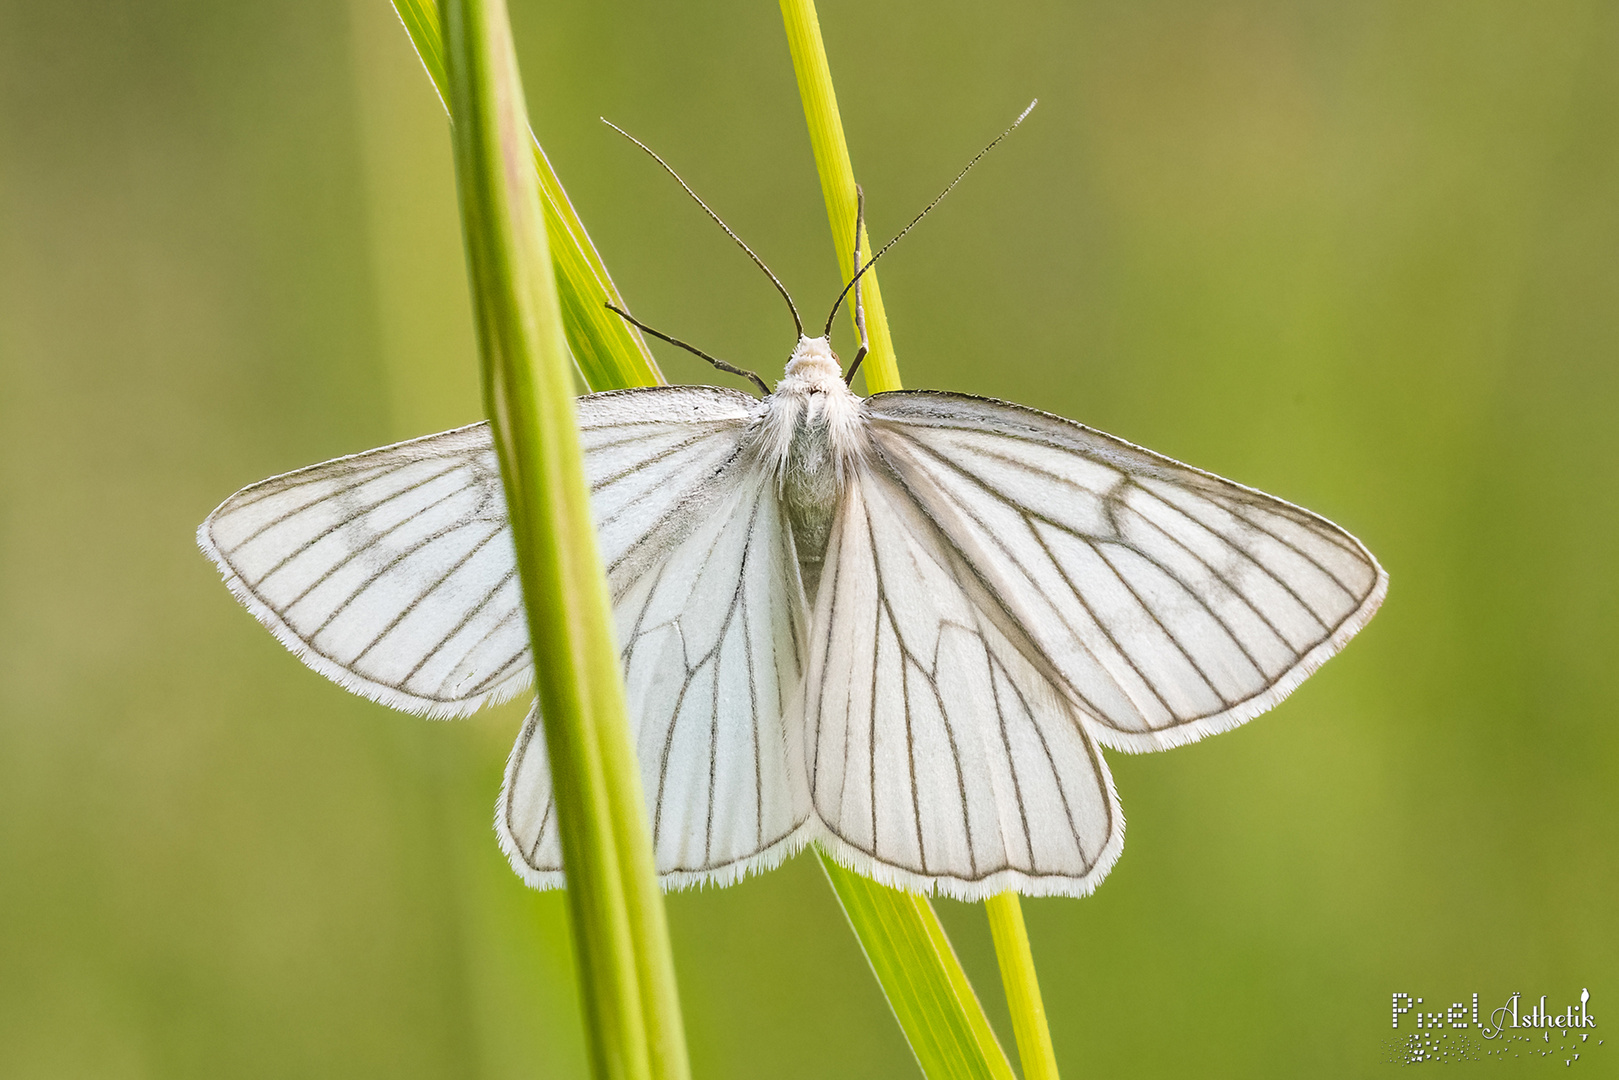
[[812, 419], [811, 432]]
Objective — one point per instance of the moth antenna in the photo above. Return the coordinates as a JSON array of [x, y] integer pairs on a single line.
[[859, 308], [798, 323], [939, 198], [716, 361]]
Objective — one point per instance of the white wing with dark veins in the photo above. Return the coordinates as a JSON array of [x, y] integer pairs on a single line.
[[392, 572], [712, 633], [389, 572], [1166, 602], [941, 756]]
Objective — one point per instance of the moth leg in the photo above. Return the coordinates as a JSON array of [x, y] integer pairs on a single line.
[[859, 305], [732, 369]]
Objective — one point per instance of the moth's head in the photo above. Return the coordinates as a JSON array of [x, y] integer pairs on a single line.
[[813, 364]]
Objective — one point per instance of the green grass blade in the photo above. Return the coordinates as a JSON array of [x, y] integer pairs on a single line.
[[907, 948], [610, 353], [626, 969], [922, 978], [899, 932], [422, 23], [1022, 987]]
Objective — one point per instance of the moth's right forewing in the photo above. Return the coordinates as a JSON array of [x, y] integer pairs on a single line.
[[1172, 602]]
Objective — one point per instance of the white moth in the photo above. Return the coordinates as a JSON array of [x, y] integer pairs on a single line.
[[899, 626]]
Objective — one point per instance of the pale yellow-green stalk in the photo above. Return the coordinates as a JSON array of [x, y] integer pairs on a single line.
[[931, 996]]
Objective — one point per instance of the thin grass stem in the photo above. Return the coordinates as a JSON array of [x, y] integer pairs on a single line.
[[921, 977], [881, 368], [1023, 999], [923, 980]]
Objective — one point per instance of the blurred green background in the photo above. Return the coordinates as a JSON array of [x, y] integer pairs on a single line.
[[1364, 256]]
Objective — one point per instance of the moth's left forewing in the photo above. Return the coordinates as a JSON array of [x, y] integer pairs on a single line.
[[390, 572], [651, 455], [1171, 603]]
